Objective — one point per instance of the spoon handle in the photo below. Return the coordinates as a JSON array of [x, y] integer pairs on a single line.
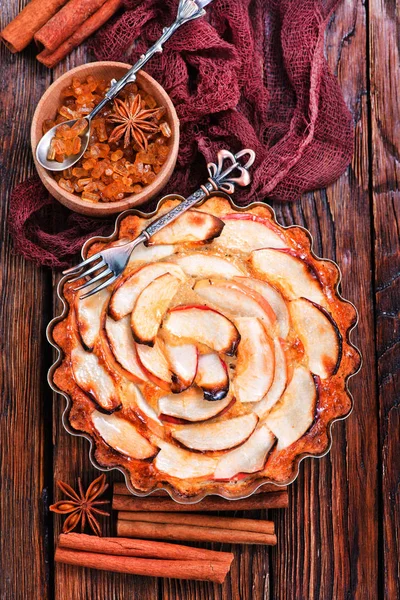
[[187, 11]]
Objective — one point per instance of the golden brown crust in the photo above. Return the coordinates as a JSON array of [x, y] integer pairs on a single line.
[[333, 400]]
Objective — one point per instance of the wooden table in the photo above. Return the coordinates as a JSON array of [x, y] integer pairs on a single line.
[[340, 537]]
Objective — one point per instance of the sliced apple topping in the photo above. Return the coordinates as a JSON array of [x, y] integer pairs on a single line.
[[320, 336], [207, 265], [153, 360], [212, 376], [133, 398], [218, 435], [292, 274], [183, 361], [122, 435], [149, 254], [191, 406], [191, 226], [247, 232], [250, 457], [183, 464], [274, 299], [92, 378], [235, 298], [207, 326], [88, 315], [294, 413], [255, 361], [278, 386], [151, 306], [130, 287], [123, 347]]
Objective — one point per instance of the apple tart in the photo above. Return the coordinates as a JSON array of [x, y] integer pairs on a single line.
[[216, 362]]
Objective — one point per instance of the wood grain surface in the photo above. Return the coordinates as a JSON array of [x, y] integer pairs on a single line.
[[339, 539]]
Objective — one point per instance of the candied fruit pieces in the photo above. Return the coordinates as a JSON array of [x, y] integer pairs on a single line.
[[78, 172], [108, 170], [47, 125], [76, 145], [66, 185], [116, 155], [67, 112], [165, 129], [79, 127]]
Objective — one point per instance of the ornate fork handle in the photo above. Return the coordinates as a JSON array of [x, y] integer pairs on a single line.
[[228, 172]]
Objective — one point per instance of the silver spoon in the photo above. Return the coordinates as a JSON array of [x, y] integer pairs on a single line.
[[187, 11]]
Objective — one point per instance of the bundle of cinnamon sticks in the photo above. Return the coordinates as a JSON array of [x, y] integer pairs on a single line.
[[158, 517], [57, 26]]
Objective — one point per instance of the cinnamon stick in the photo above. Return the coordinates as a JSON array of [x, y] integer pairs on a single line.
[[102, 15], [60, 27], [211, 503], [140, 548], [191, 533], [121, 489], [21, 30], [178, 569], [232, 523]]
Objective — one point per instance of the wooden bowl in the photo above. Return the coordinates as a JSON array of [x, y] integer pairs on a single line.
[[47, 108]]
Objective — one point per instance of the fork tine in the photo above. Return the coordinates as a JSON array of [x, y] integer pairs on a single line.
[[99, 265], [99, 287], [74, 270], [98, 277]]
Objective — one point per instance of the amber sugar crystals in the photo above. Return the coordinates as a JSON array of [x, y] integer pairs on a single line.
[[128, 141]]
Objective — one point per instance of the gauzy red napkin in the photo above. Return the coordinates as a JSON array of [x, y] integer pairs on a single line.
[[251, 74]]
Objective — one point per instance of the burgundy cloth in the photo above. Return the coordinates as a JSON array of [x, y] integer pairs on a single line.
[[250, 74]]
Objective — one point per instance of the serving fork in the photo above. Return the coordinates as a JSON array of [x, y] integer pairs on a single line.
[[107, 265]]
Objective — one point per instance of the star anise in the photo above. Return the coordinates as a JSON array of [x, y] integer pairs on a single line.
[[134, 121], [81, 507]]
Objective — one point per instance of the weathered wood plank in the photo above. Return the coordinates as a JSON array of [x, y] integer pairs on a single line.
[[71, 460], [24, 310], [385, 105], [328, 540]]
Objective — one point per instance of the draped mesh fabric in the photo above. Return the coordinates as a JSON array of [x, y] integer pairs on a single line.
[[250, 74]]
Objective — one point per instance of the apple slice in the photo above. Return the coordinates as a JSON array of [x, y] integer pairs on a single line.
[[278, 386], [218, 435], [207, 265], [212, 376], [235, 298], [127, 291], [205, 325], [152, 359], [133, 398], [191, 226], [289, 272], [191, 406], [122, 436], [183, 464], [92, 378], [88, 315], [250, 457], [255, 361], [145, 254], [123, 347], [151, 306], [294, 413], [274, 299], [320, 336], [247, 232], [183, 363]]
